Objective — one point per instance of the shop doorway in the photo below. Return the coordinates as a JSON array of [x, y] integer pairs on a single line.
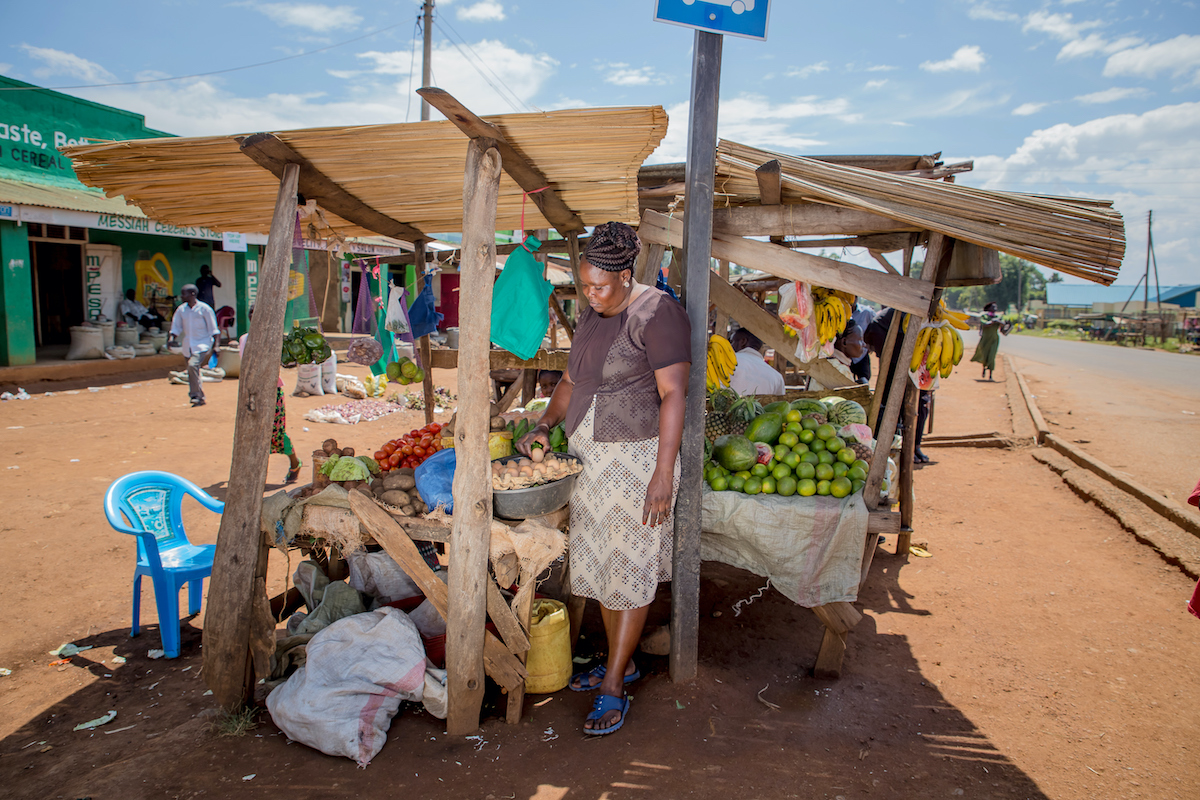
[[57, 256]]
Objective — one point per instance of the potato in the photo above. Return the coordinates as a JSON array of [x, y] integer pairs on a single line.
[[378, 489], [407, 482], [347, 451], [498, 424], [408, 510], [329, 446], [395, 497], [391, 480], [364, 489]]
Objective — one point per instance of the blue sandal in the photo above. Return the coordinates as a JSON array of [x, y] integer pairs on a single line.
[[601, 705], [598, 672]]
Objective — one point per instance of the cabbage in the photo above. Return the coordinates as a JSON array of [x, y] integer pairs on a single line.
[[330, 463], [349, 469]]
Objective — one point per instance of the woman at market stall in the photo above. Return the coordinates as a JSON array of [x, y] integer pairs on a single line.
[[280, 442], [622, 402], [989, 340]]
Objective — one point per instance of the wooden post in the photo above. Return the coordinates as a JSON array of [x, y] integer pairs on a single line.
[[908, 448], [937, 258], [230, 616], [697, 243], [721, 326], [573, 254], [472, 483]]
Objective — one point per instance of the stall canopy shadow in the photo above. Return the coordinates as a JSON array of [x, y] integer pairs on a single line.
[[754, 722]]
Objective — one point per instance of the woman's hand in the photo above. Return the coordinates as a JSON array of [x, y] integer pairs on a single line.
[[658, 498], [540, 433]]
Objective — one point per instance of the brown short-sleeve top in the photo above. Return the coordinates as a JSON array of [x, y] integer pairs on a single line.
[[613, 359]]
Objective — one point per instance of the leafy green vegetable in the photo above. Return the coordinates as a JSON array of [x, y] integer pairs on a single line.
[[349, 469], [371, 463], [330, 463]]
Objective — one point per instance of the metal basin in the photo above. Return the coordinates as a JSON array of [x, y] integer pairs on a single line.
[[536, 500]]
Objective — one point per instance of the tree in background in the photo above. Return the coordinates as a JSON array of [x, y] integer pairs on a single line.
[[1004, 293]]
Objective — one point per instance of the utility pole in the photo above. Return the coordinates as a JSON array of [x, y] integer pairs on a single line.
[[427, 56], [1146, 277]]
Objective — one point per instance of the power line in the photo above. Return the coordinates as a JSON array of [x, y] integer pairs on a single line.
[[412, 66], [204, 74], [512, 98]]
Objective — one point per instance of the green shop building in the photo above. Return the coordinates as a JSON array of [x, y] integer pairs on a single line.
[[68, 253]]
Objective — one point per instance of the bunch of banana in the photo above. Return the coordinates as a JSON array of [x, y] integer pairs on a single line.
[[939, 348], [831, 311], [955, 318], [722, 361]]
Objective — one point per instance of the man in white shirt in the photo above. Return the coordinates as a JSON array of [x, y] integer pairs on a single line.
[[133, 313], [753, 374], [194, 327]]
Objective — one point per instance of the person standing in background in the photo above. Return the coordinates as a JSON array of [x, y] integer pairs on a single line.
[[280, 441], [863, 316], [194, 328], [990, 323], [753, 374], [204, 286]]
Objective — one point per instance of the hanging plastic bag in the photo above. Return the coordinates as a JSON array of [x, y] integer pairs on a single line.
[[422, 314], [397, 314], [435, 480], [521, 303]]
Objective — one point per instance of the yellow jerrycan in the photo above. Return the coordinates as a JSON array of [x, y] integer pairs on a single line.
[[549, 663], [151, 283]]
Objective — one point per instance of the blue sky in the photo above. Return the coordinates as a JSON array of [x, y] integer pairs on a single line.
[[1077, 97]]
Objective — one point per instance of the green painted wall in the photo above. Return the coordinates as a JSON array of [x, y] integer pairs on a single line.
[[35, 121], [181, 265], [16, 297]]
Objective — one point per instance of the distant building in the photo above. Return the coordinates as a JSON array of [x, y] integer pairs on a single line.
[[1083, 296]]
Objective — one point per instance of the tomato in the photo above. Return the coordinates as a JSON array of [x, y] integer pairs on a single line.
[[419, 451], [394, 459], [435, 428], [380, 455], [414, 433], [426, 441], [407, 449]]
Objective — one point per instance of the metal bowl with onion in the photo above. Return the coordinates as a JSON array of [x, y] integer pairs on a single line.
[[536, 500]]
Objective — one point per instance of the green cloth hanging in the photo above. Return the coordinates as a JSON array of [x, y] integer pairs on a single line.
[[521, 303]]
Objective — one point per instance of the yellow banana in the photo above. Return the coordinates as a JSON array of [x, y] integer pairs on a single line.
[[958, 348], [935, 349], [919, 350]]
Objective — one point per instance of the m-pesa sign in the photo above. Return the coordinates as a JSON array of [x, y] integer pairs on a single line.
[[746, 18]]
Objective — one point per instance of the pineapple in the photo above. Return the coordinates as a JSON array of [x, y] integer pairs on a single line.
[[728, 413], [862, 451]]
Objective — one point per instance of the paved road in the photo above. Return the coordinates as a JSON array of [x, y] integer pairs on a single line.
[[1136, 410], [1147, 369]]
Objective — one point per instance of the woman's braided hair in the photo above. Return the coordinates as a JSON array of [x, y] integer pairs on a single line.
[[614, 246]]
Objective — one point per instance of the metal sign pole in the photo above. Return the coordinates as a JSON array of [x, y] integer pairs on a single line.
[[697, 251]]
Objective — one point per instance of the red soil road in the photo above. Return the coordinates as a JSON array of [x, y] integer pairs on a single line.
[[1041, 652]]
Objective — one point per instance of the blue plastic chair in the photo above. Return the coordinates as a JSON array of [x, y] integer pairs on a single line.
[[149, 505]]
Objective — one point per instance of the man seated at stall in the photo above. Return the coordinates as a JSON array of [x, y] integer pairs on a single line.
[[753, 374], [548, 380], [134, 313]]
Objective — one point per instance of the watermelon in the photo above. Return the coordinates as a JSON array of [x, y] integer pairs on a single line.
[[831, 402], [735, 453], [806, 405], [765, 428], [847, 412], [779, 407]]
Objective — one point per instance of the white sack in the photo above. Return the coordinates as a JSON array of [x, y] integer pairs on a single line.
[[308, 380], [329, 375], [378, 575]]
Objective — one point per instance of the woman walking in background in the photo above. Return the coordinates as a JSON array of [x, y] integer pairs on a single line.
[[280, 442], [989, 340]]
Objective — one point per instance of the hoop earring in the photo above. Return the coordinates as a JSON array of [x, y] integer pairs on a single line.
[[626, 284]]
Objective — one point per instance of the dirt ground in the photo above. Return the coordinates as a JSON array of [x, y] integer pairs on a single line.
[[1040, 651]]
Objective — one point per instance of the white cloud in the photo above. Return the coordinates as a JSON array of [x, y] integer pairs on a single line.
[[1140, 161], [314, 16], [1095, 44], [483, 11], [1111, 95], [1025, 109], [58, 62], [1178, 56], [881, 68], [624, 75], [982, 11], [875, 84], [5, 67], [1060, 26], [968, 58], [756, 121], [809, 71]]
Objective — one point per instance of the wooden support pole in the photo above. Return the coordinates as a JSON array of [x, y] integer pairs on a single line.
[[573, 254], [649, 264], [231, 615], [472, 480], [562, 317], [721, 326], [697, 244], [908, 449], [529, 385], [937, 259]]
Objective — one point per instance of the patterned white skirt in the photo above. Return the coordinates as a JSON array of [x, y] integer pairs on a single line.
[[614, 558]]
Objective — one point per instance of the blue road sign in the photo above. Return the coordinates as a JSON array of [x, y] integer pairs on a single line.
[[746, 18]]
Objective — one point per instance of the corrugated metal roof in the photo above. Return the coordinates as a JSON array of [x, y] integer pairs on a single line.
[[81, 199], [1067, 294]]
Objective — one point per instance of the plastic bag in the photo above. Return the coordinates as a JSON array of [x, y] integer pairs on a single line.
[[521, 303], [423, 313], [329, 375], [378, 575], [397, 315], [435, 480], [308, 380]]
